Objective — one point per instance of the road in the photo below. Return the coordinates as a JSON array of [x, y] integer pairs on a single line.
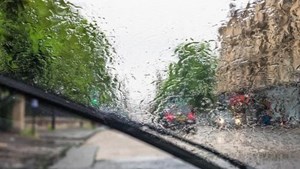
[[110, 149], [259, 147]]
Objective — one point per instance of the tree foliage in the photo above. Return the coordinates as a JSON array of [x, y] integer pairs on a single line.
[[191, 78], [49, 44]]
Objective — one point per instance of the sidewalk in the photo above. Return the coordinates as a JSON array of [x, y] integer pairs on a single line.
[[81, 157], [24, 152]]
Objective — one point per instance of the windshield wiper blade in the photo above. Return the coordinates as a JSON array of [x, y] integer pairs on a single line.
[[108, 119]]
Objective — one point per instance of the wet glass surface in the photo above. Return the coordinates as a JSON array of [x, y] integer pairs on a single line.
[[221, 74]]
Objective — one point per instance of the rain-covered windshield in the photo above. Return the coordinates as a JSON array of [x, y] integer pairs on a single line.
[[220, 75]]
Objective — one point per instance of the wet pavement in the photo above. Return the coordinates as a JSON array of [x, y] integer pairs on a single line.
[[260, 147], [143, 164], [113, 150], [30, 152], [77, 157]]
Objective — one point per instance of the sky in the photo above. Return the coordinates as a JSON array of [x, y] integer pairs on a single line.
[[145, 33]]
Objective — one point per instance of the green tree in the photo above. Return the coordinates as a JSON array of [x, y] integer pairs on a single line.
[[49, 44], [191, 78]]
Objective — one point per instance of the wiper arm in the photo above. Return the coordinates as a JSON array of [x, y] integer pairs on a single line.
[[110, 120]]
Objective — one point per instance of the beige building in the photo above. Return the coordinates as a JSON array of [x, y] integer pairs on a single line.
[[260, 46], [260, 51]]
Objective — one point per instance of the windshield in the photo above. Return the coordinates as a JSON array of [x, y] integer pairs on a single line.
[[216, 80]]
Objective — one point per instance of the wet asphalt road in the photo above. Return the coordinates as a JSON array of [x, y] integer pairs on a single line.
[[260, 147]]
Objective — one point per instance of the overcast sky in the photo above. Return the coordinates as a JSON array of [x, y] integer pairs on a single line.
[[145, 32]]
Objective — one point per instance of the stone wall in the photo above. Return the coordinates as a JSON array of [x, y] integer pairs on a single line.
[[260, 46]]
